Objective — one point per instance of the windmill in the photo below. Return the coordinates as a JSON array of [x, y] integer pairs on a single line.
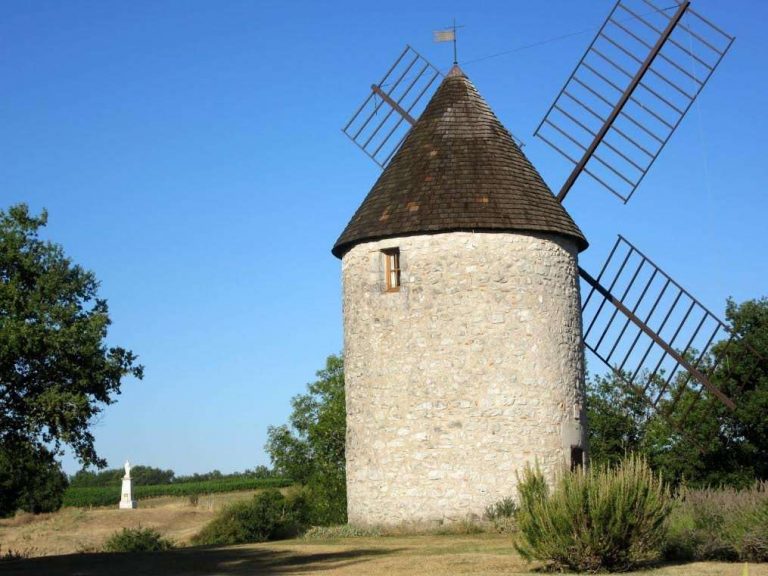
[[615, 113]]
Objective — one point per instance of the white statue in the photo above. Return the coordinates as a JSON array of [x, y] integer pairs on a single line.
[[126, 499]]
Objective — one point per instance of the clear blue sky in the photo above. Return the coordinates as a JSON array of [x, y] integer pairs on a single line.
[[190, 154]]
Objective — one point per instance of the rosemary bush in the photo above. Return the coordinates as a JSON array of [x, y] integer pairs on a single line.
[[602, 518]]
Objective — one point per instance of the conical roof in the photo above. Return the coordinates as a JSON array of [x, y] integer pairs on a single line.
[[458, 169]]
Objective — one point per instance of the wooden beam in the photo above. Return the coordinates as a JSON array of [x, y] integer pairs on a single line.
[[622, 101], [384, 96], [657, 339]]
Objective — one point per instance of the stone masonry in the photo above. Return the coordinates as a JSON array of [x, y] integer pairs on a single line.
[[473, 369]]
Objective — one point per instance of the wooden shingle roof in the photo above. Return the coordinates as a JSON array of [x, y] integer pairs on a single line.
[[458, 169]]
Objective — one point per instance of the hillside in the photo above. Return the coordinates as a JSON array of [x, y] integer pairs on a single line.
[[73, 530]]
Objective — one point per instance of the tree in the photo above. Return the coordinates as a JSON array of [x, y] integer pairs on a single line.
[[717, 446], [733, 445], [141, 476], [56, 372], [616, 420], [310, 449], [31, 480]]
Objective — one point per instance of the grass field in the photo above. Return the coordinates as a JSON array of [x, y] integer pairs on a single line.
[[57, 538], [79, 529], [483, 554]]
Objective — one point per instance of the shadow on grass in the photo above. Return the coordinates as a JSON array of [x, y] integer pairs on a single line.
[[190, 561]]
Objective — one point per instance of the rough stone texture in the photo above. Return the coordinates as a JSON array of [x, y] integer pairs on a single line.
[[474, 368]]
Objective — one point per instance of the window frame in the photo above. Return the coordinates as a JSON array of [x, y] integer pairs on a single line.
[[392, 269]]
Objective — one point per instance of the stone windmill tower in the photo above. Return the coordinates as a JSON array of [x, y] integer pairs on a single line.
[[464, 330], [462, 321]]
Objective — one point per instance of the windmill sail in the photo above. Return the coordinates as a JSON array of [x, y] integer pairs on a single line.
[[380, 124], [630, 90], [656, 337]]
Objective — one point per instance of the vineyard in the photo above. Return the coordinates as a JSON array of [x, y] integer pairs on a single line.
[[85, 496]]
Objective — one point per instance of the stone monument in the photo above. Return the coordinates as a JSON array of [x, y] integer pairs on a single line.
[[126, 500]]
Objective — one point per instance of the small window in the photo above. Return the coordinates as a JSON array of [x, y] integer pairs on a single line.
[[393, 269]]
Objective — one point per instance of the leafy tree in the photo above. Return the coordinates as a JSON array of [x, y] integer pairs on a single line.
[[56, 373], [617, 420], [310, 449], [733, 445], [31, 480], [141, 475], [718, 446]]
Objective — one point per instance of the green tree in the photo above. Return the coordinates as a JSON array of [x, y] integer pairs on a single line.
[[56, 373], [717, 446], [731, 447], [31, 480], [310, 449], [141, 475], [616, 420]]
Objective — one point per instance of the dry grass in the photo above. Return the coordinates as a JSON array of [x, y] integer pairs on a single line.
[[485, 554], [75, 530], [85, 530]]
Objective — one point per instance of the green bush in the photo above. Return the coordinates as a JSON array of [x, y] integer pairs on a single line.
[[602, 518], [267, 516], [504, 508], [137, 540], [720, 524], [501, 515]]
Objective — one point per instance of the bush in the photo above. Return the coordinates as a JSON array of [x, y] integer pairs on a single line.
[[602, 518], [137, 540], [723, 524], [267, 516], [341, 531], [501, 515], [11, 555], [504, 508]]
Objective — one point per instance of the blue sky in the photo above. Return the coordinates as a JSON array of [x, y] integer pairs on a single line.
[[190, 154]]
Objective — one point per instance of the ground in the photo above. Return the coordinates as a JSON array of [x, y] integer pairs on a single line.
[[55, 539], [424, 555], [84, 530]]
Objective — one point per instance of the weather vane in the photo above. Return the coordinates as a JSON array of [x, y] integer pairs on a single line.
[[448, 35]]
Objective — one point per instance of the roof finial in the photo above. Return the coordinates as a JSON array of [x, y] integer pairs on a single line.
[[448, 35]]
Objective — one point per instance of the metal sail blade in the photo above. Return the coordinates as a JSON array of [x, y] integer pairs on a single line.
[[380, 124], [630, 90], [656, 337]]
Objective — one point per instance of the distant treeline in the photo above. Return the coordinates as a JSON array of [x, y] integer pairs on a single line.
[[109, 495], [149, 476]]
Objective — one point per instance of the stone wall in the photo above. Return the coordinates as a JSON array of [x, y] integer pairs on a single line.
[[471, 370]]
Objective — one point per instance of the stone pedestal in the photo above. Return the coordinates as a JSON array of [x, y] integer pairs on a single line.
[[126, 499]]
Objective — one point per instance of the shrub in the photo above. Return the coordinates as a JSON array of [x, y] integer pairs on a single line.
[[137, 540], [602, 518], [720, 524], [11, 555], [267, 516], [341, 531], [501, 515], [504, 508]]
